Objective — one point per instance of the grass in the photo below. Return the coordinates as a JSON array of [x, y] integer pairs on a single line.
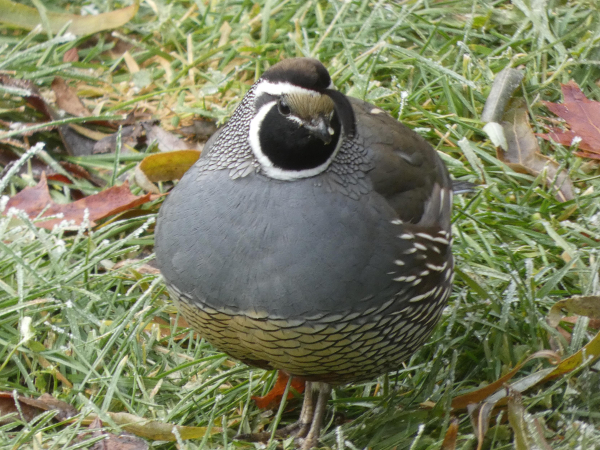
[[429, 63]]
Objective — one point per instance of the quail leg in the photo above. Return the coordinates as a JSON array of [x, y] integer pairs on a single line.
[[312, 438], [302, 426], [297, 429]]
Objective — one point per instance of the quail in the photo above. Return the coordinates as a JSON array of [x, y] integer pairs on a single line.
[[312, 236]]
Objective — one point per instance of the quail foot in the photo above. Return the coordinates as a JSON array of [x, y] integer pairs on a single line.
[[312, 236]]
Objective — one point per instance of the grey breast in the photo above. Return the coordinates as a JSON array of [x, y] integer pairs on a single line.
[[287, 249]]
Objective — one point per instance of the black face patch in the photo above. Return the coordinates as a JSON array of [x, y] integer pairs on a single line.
[[307, 73], [263, 100], [290, 146]]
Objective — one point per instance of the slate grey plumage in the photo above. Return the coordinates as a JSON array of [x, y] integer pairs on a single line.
[[334, 270]]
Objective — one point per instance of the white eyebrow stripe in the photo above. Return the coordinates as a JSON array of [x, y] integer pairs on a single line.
[[266, 87]]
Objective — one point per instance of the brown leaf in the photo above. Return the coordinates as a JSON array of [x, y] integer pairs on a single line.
[[131, 136], [8, 406], [75, 144], [71, 55], [33, 200], [167, 141], [523, 155], [581, 115], [480, 419], [586, 355], [67, 99], [31, 407], [479, 395], [581, 305], [274, 396], [32, 94], [594, 324], [200, 130], [122, 441], [38, 166], [451, 435]]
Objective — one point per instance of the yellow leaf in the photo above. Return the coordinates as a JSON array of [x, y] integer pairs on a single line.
[[155, 430], [168, 166], [22, 16]]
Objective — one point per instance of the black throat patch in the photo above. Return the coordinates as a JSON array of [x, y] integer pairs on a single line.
[[289, 146]]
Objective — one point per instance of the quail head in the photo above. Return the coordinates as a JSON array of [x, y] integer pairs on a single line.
[[312, 236]]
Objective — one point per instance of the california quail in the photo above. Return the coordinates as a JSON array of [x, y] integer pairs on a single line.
[[312, 236]]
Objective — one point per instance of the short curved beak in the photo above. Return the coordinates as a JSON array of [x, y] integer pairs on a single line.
[[321, 129]]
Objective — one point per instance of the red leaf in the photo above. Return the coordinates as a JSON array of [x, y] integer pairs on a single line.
[[581, 115], [111, 201], [274, 396]]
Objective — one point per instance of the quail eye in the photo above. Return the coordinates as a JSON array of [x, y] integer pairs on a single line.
[[284, 109]]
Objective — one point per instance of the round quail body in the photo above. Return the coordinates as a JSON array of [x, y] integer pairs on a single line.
[[335, 270]]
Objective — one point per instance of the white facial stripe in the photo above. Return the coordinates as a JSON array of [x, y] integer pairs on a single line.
[[254, 138], [266, 164], [266, 87], [295, 119]]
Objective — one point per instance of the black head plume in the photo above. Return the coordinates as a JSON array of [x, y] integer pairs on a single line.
[[344, 110], [307, 73]]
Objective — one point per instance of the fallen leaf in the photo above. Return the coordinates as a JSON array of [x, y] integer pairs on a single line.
[[75, 144], [581, 115], [34, 200], [480, 420], [155, 430], [111, 441], [591, 351], [67, 99], [200, 130], [29, 91], [37, 166], [581, 305], [274, 396], [21, 16], [505, 84], [71, 55], [523, 156], [527, 429], [449, 442], [594, 324], [132, 136], [167, 141], [483, 393], [11, 402], [169, 165]]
